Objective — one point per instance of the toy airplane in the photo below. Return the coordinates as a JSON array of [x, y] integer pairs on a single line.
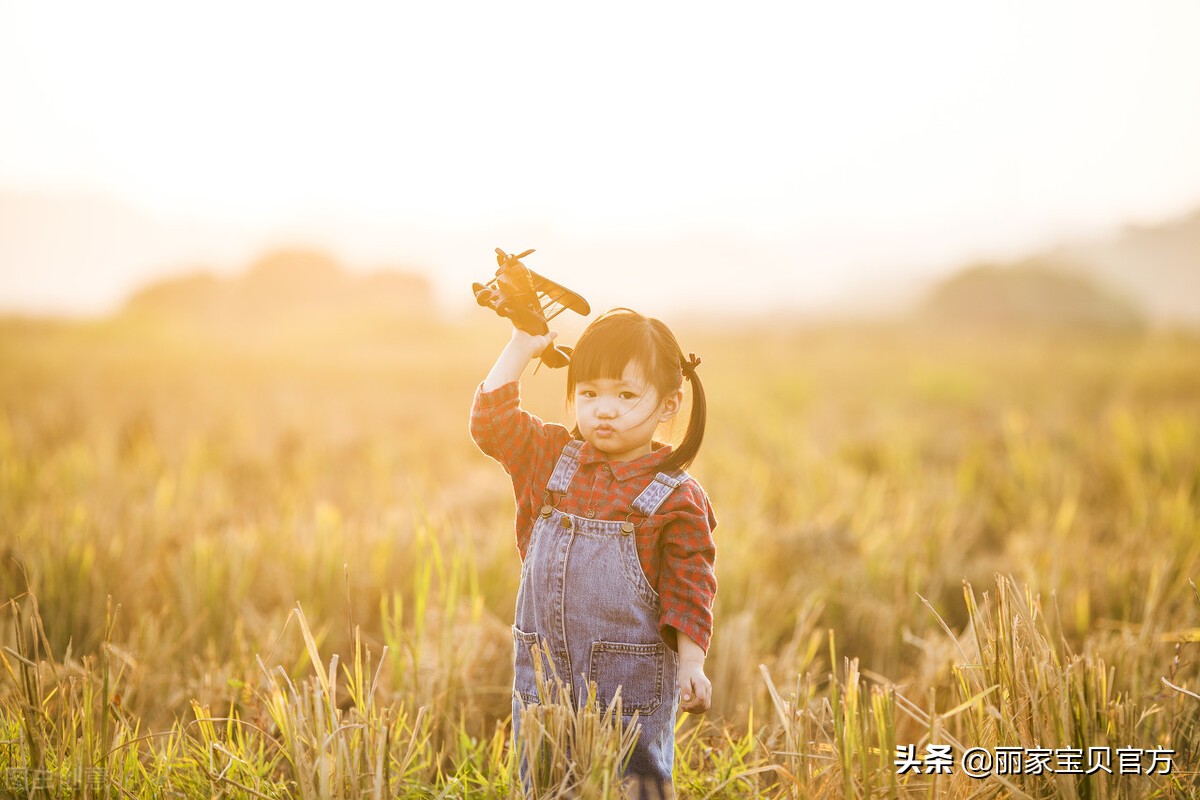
[[529, 301]]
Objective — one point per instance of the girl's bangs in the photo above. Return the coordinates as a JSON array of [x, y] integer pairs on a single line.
[[604, 351]]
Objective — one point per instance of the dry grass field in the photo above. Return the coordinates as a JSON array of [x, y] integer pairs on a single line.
[[278, 567]]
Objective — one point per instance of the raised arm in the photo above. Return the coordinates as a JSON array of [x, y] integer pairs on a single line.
[[523, 444]]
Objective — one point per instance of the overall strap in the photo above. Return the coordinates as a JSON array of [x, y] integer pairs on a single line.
[[659, 490], [564, 470]]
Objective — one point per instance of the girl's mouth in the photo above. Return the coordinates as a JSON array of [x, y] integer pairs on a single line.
[[605, 430]]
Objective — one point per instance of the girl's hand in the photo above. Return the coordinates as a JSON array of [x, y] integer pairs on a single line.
[[521, 349], [529, 343], [695, 690]]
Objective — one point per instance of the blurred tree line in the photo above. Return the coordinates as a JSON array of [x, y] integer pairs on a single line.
[[1034, 295], [285, 288]]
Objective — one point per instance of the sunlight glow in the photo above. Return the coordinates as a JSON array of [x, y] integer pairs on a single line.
[[855, 134]]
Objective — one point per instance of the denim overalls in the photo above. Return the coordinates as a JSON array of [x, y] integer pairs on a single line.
[[585, 598]]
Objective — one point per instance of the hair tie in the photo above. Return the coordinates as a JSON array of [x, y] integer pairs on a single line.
[[689, 365]]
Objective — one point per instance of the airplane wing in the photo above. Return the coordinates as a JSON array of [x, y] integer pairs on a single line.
[[556, 298]]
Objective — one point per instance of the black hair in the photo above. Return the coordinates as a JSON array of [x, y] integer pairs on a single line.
[[622, 335]]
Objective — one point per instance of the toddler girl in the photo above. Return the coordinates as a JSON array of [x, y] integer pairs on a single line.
[[617, 580]]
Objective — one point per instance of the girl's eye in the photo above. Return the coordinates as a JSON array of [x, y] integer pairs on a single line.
[[588, 393], [627, 395]]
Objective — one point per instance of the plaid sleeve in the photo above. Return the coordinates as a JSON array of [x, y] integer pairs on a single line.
[[508, 433], [524, 445], [687, 586]]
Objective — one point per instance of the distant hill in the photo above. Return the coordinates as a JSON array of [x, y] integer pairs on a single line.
[[1143, 275], [1033, 295], [283, 287], [1158, 266], [85, 254]]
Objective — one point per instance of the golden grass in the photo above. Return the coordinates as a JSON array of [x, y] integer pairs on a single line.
[[169, 504]]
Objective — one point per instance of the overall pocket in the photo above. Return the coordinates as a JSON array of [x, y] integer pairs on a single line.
[[524, 673], [636, 668]]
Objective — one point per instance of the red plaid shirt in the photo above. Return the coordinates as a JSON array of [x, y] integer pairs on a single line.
[[675, 545]]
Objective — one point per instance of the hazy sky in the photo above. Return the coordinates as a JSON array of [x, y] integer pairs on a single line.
[[853, 137]]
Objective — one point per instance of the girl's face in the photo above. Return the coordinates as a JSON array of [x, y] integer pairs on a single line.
[[618, 416]]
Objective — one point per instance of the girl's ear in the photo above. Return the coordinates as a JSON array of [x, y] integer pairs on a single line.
[[671, 405]]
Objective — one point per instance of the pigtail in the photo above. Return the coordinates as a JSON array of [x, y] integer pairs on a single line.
[[683, 456]]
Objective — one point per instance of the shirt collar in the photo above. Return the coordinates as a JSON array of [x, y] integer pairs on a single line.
[[651, 463]]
